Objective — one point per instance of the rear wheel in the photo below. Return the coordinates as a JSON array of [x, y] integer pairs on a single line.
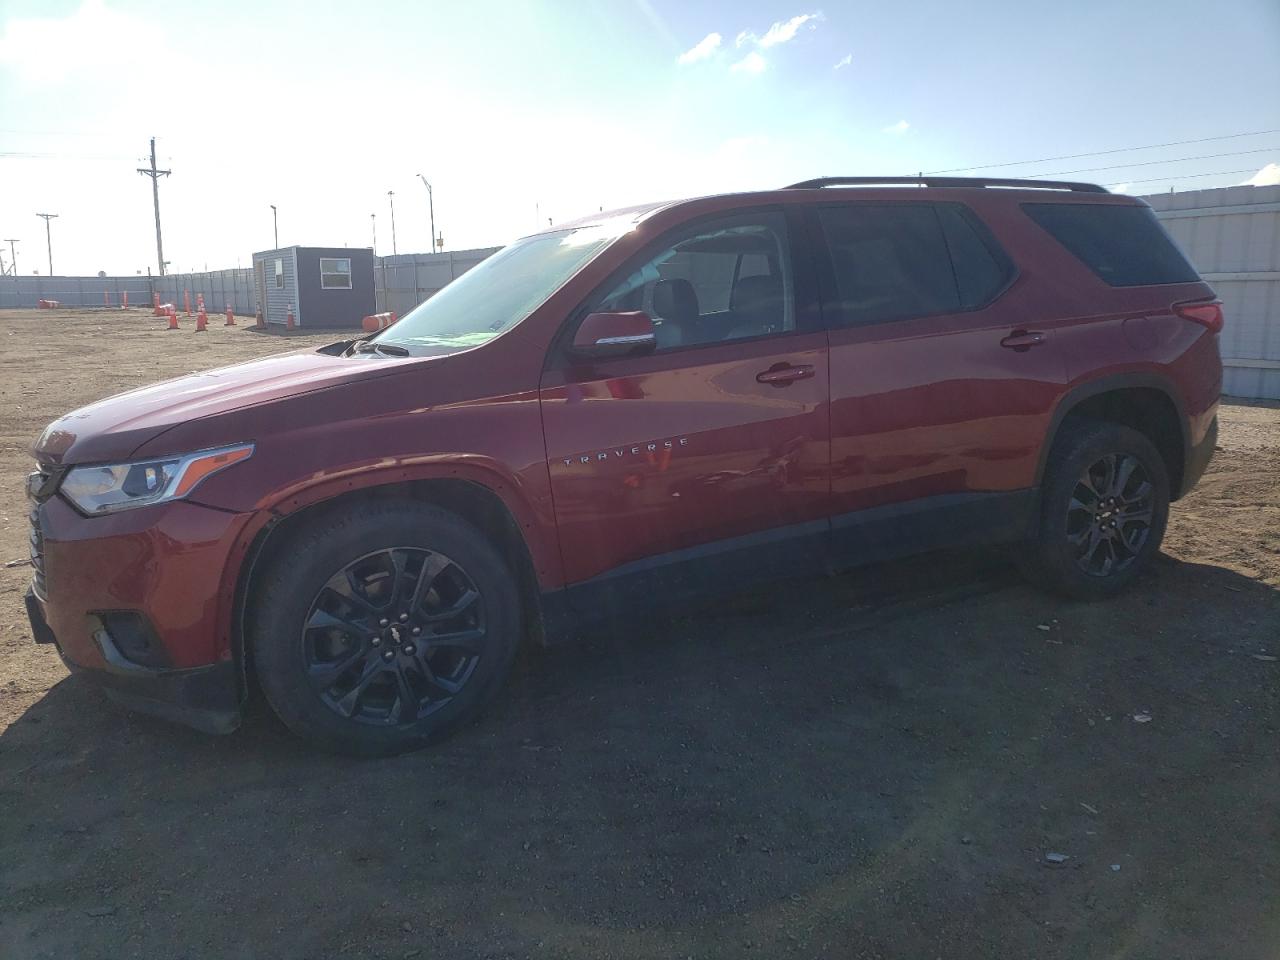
[[1104, 506], [378, 629]]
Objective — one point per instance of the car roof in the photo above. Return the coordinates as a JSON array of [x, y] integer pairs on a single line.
[[868, 189]]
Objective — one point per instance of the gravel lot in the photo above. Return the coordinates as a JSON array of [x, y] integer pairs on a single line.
[[872, 766]]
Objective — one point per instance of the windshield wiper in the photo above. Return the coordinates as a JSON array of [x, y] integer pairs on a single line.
[[371, 346]]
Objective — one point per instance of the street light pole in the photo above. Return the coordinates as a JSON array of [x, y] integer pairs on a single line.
[[391, 199], [373, 219], [431, 205], [48, 237], [275, 226]]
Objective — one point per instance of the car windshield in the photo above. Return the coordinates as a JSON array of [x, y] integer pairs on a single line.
[[500, 292]]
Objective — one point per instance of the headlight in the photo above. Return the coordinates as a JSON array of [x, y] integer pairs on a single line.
[[107, 488]]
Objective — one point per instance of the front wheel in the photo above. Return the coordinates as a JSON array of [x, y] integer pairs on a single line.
[[375, 630], [1104, 506]]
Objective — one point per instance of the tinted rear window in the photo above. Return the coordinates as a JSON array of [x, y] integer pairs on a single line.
[[890, 262], [982, 268], [1123, 245]]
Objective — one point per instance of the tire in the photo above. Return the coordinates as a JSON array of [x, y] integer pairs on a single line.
[[1088, 515], [365, 636]]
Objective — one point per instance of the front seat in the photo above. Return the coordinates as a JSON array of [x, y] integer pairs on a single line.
[[675, 311], [757, 307]]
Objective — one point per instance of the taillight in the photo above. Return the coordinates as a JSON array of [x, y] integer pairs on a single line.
[[1206, 313]]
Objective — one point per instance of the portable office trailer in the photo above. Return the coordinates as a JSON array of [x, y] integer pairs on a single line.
[[325, 286]]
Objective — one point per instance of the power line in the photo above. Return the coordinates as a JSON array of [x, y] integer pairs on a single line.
[[1187, 176], [1103, 153], [1153, 163]]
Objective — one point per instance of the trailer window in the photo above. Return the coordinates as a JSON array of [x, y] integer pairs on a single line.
[[280, 274], [335, 273]]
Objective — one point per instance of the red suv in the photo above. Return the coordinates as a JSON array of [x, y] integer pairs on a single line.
[[617, 414]]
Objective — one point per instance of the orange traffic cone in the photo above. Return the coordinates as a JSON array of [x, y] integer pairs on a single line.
[[124, 301], [289, 321], [186, 301], [173, 317], [231, 320], [202, 320]]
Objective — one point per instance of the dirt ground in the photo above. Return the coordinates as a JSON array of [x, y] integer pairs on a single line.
[[872, 766]]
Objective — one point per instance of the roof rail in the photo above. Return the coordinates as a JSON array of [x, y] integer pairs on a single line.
[[927, 181]]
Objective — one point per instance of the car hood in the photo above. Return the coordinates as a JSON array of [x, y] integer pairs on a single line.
[[114, 428]]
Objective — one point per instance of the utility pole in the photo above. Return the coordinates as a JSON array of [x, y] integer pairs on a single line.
[[431, 204], [155, 176], [275, 227], [48, 236], [391, 198], [373, 219], [13, 258]]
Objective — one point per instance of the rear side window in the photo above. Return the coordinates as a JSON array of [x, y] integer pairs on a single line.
[[982, 268], [890, 262], [1124, 245]]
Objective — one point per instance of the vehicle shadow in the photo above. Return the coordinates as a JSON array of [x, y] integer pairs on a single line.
[[874, 764]]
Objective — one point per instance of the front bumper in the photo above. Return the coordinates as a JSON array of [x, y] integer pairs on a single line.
[[206, 698], [167, 567]]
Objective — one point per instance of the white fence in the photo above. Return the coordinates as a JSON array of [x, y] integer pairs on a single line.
[[220, 287], [1232, 235], [74, 291], [404, 281]]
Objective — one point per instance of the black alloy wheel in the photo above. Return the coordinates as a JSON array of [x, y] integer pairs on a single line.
[[394, 636], [1110, 513], [1104, 504], [378, 625]]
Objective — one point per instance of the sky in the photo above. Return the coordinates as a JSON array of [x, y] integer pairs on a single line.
[[524, 113]]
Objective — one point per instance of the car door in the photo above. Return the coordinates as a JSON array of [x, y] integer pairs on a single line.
[[942, 380], [712, 447]]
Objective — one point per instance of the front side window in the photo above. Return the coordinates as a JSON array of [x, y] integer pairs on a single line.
[[280, 274], [890, 262], [335, 273], [725, 280]]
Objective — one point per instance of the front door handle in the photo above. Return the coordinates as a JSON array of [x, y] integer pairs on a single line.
[[1022, 339], [781, 374]]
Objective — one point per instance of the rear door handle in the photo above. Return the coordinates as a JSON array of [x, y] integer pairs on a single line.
[[1022, 339], [781, 374]]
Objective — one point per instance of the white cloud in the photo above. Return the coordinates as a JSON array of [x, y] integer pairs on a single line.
[[783, 32], [49, 50], [701, 50], [843, 61], [898, 128], [780, 32], [1268, 176], [751, 63], [1119, 188]]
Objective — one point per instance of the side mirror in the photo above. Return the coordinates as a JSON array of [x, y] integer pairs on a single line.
[[614, 334]]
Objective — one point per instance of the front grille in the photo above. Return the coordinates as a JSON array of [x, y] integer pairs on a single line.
[[41, 485]]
